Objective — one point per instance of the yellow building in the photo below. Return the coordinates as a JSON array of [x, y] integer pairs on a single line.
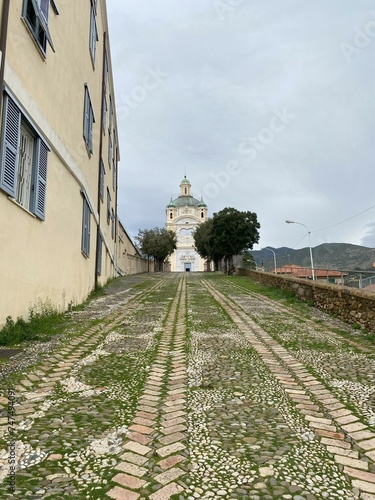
[[59, 154], [183, 215]]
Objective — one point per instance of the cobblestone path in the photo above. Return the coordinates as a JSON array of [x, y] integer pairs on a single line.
[[193, 386]]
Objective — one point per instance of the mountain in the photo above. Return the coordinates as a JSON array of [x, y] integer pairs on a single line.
[[343, 256]]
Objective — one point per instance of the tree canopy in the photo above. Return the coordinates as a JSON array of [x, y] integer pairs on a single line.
[[157, 244], [235, 231], [204, 241], [229, 232]]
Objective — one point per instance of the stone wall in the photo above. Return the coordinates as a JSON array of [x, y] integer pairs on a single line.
[[129, 260], [350, 304]]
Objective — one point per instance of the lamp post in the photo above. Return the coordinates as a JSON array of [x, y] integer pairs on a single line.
[[308, 233], [274, 256]]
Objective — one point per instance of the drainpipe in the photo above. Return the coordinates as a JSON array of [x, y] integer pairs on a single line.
[[3, 44], [100, 160]]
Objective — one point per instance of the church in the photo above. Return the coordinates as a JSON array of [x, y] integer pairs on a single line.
[[183, 215]]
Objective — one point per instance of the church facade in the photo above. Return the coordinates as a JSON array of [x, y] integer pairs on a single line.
[[183, 215]]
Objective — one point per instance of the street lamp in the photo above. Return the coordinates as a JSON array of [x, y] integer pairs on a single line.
[[308, 233], [274, 256]]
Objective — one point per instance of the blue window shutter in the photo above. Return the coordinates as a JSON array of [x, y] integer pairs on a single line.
[[91, 124], [41, 180], [110, 114], [40, 8], [86, 228], [102, 174], [93, 34], [105, 72], [88, 120], [113, 224], [86, 116], [10, 147], [99, 261], [109, 150], [104, 111], [44, 5], [94, 6], [108, 206]]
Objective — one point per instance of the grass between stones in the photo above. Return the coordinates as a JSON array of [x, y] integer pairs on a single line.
[[245, 433], [345, 368], [82, 423]]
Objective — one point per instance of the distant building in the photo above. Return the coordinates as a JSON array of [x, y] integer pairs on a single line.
[[59, 154], [305, 272], [183, 215]]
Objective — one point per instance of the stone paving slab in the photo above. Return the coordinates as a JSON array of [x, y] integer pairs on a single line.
[[195, 387]]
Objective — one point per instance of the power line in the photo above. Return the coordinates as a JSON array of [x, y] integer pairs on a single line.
[[342, 222], [303, 237]]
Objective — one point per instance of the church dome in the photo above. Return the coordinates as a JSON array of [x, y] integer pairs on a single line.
[[183, 201], [202, 204], [185, 181]]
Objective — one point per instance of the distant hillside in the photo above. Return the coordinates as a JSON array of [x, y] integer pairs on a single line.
[[326, 256]]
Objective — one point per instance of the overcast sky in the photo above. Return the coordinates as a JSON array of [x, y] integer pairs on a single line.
[[268, 104]]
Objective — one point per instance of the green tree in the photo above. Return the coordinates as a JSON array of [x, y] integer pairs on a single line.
[[204, 242], [234, 232], [157, 244]]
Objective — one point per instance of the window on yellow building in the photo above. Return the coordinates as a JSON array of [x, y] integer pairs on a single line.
[[113, 218], [108, 206], [93, 31], [86, 219], [102, 174], [88, 121], [99, 256], [35, 15], [104, 113], [23, 169]]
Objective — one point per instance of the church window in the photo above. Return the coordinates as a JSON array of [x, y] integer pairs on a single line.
[[185, 190], [171, 215], [202, 215]]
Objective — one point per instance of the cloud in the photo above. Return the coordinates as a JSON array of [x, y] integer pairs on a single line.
[[226, 76]]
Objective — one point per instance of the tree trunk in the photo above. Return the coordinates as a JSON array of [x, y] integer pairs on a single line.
[[230, 265]]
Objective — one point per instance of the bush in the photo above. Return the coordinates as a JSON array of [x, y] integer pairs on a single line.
[[41, 325]]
